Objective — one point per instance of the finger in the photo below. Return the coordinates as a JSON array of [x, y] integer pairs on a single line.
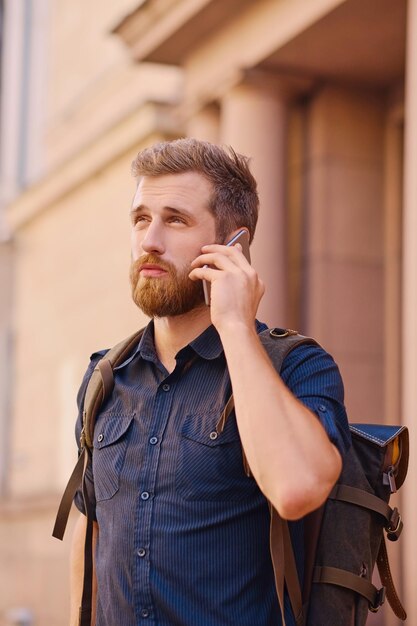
[[222, 257], [217, 261], [203, 273], [217, 247], [234, 252]]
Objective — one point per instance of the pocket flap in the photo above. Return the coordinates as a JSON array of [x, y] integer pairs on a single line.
[[110, 428], [202, 429]]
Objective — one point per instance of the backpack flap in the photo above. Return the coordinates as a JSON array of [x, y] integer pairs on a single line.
[[395, 441]]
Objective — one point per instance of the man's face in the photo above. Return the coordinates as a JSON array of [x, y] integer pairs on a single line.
[[170, 223]]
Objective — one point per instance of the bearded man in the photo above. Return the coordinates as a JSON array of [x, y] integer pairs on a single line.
[[181, 531]]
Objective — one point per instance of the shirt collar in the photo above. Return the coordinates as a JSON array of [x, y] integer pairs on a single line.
[[145, 347], [207, 345]]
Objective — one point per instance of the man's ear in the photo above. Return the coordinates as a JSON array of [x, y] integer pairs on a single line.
[[234, 232], [241, 236]]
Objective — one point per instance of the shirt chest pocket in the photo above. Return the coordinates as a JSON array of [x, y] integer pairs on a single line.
[[209, 464], [111, 436]]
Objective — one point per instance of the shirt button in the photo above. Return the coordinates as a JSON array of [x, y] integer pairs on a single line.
[[153, 440], [166, 387], [144, 613], [144, 495], [322, 408], [213, 435], [100, 437], [141, 552]]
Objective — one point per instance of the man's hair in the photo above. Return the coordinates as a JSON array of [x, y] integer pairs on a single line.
[[234, 201]]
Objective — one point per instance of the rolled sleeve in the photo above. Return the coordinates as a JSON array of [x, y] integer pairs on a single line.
[[314, 378]]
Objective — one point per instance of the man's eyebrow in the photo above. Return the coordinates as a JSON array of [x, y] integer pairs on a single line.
[[170, 209], [167, 209], [141, 207]]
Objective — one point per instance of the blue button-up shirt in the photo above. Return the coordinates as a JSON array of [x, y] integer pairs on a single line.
[[183, 532]]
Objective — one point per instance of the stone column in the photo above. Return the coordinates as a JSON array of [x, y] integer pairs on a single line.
[[253, 122], [393, 181], [343, 267], [409, 308]]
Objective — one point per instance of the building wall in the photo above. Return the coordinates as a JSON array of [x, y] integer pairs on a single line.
[[328, 171], [343, 261]]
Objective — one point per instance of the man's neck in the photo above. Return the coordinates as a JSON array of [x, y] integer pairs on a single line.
[[173, 333]]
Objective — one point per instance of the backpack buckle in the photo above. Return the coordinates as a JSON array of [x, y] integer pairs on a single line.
[[379, 600], [82, 438], [395, 525], [282, 332]]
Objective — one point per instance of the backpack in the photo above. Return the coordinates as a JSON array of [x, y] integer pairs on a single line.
[[344, 538]]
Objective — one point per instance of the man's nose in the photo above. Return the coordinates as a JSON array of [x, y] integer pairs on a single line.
[[153, 240]]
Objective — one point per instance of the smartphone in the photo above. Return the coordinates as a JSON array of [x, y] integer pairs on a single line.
[[241, 237]]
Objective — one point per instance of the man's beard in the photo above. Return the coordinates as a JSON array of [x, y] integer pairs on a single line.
[[166, 296]]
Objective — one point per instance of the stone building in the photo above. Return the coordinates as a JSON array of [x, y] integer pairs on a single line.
[[322, 94]]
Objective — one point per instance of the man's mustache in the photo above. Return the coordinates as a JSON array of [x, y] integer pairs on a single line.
[[151, 259]]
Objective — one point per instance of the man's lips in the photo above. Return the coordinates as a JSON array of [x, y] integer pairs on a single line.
[[148, 269]]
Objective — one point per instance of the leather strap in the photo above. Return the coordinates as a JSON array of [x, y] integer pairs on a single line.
[[369, 501], [343, 578], [291, 574], [353, 495], [98, 389], [85, 612], [386, 579], [107, 377], [230, 405], [285, 570], [362, 498], [68, 497], [276, 542], [97, 392], [77, 477], [101, 382], [278, 343]]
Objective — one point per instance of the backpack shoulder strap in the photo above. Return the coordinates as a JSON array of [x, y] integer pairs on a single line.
[[278, 343], [101, 383], [98, 388]]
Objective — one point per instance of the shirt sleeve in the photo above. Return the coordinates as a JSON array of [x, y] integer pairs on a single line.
[[314, 378], [89, 481]]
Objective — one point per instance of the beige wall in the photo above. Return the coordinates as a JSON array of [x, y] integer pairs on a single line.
[[34, 572], [329, 176], [71, 296], [71, 279], [93, 83]]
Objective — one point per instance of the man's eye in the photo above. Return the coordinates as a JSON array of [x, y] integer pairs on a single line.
[[139, 220], [176, 220]]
